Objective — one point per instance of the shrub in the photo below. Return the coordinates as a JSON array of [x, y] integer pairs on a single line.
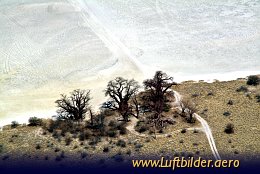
[[141, 127], [111, 133], [58, 158], [257, 98], [121, 143], [118, 158], [56, 134], [122, 129], [229, 128], [166, 108], [195, 131], [5, 157], [68, 140], [56, 149], [14, 124], [1, 148], [242, 89], [83, 155], [230, 102], [84, 135], [183, 131], [106, 149], [129, 152], [34, 121], [62, 155], [227, 113], [112, 123], [195, 95], [37, 146], [210, 94], [253, 80], [94, 140], [138, 145]]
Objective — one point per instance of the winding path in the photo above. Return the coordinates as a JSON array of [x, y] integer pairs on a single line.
[[205, 126]]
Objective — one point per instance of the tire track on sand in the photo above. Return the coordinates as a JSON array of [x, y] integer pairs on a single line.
[[112, 43], [205, 126]]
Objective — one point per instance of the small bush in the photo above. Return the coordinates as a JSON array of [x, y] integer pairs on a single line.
[[1, 148], [56, 134], [111, 133], [227, 113], [128, 152], [83, 155], [14, 124], [230, 102], [166, 108], [37, 146], [210, 94], [229, 128], [56, 149], [94, 140], [112, 123], [195, 131], [138, 145], [253, 80], [257, 98], [195, 95], [68, 140], [106, 149], [34, 121], [183, 131], [118, 158], [242, 89], [58, 158], [121, 143], [62, 155], [5, 157], [122, 129], [84, 135], [141, 127]]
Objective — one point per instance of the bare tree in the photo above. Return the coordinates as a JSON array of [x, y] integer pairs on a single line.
[[136, 105], [188, 107], [91, 117], [157, 88], [75, 106], [120, 91]]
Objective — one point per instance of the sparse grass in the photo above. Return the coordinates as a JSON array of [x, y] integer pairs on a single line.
[[121, 143], [244, 115]]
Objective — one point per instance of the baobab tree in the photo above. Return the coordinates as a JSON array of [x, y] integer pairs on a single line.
[[120, 91], [157, 87], [75, 106]]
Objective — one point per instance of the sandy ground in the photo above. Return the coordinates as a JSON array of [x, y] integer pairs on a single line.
[[52, 47]]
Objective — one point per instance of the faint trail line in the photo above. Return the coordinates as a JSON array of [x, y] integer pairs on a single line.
[[113, 43]]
